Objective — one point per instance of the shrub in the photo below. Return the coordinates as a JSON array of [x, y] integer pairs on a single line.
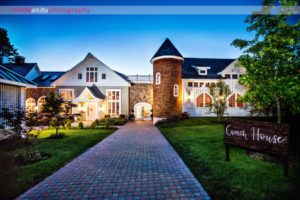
[[57, 136], [94, 124], [68, 124], [121, 116], [184, 115], [80, 125], [106, 116]]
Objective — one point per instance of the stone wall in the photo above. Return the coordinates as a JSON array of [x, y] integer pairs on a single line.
[[164, 102], [36, 93], [140, 92]]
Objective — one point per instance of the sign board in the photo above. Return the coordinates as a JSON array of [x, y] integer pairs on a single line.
[[264, 137]]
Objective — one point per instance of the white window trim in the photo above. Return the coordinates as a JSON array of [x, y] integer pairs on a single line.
[[157, 80], [120, 99], [89, 72], [67, 89], [176, 90]]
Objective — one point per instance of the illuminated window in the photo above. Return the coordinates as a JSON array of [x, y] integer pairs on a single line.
[[40, 103], [79, 75], [157, 78], [66, 94], [176, 90], [91, 74], [204, 100], [233, 101], [113, 102], [30, 105]]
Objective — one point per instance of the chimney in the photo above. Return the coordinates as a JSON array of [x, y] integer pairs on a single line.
[[19, 60]]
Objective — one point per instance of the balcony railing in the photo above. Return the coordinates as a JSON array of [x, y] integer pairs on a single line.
[[140, 78]]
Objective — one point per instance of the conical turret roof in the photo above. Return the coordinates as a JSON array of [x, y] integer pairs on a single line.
[[167, 49]]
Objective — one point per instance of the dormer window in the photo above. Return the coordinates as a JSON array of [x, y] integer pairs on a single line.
[[201, 70]]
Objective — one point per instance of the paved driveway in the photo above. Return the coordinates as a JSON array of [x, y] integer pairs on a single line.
[[135, 162]]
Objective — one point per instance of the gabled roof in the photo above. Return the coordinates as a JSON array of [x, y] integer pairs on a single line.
[[167, 49], [216, 65], [47, 77], [22, 69], [96, 92], [10, 77]]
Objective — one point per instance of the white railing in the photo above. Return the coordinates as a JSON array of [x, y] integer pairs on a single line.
[[140, 78]]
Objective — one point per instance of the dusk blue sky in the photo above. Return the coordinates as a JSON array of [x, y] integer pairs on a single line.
[[124, 43]]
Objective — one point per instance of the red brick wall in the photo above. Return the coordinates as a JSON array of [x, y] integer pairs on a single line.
[[164, 102]]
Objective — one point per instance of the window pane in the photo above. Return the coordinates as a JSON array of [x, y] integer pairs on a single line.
[[117, 95], [200, 100], [208, 100], [117, 107], [91, 77], [96, 74], [87, 77], [232, 101], [190, 84]]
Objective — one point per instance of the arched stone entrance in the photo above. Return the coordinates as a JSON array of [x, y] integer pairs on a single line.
[[142, 111]]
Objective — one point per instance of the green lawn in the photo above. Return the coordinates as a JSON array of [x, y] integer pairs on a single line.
[[14, 181], [199, 141]]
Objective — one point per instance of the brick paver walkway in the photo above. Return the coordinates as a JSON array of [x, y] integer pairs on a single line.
[[135, 162]]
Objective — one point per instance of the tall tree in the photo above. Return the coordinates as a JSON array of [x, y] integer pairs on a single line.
[[272, 62], [6, 48], [219, 93], [56, 111]]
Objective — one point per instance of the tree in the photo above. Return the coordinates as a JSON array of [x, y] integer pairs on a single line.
[[6, 48], [56, 111], [219, 93], [14, 119], [271, 60]]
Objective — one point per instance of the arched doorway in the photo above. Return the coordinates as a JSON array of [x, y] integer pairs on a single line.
[[142, 111]]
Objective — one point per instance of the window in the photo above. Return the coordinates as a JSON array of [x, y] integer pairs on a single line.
[[41, 101], [232, 101], [234, 76], [157, 78], [202, 72], [91, 74], [66, 94], [176, 90], [103, 76], [207, 85], [79, 75], [204, 100], [195, 84], [201, 84], [227, 76], [30, 105], [113, 102], [190, 84]]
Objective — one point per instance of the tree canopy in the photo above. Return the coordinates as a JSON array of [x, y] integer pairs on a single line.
[[6, 47], [272, 61]]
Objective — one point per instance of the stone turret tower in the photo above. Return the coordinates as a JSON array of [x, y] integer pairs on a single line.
[[167, 86]]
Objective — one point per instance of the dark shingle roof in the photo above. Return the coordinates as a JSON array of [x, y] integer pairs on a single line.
[[167, 49], [10, 75], [46, 78], [216, 65], [96, 92], [22, 69]]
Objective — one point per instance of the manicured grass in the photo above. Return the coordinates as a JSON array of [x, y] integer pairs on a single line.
[[199, 141], [14, 181]]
